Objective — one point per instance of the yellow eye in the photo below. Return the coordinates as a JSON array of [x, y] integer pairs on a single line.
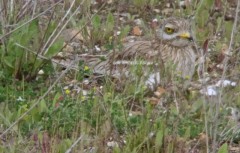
[[169, 30]]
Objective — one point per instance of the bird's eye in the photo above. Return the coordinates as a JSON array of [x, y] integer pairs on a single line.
[[169, 30]]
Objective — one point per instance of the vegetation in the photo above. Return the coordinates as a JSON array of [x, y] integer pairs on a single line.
[[52, 102]]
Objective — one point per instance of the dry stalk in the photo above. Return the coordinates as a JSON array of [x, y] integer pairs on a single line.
[[8, 33], [61, 25]]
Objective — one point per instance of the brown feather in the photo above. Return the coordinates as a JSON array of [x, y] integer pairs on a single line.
[[156, 53]]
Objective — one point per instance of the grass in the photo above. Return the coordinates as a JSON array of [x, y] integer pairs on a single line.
[[64, 110]]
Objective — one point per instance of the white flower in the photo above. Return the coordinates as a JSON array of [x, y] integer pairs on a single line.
[[40, 72], [209, 91], [97, 48], [20, 99], [155, 20], [225, 83]]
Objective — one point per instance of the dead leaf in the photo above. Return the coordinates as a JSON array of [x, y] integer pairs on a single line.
[[137, 31], [154, 101], [225, 50], [68, 48], [69, 34], [159, 92], [205, 47], [202, 139]]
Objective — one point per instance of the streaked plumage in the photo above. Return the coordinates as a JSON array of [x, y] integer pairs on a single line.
[[174, 44]]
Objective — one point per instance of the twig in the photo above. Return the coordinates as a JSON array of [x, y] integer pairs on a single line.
[[74, 144]]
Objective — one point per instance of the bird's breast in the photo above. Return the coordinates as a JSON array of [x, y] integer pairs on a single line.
[[183, 58]]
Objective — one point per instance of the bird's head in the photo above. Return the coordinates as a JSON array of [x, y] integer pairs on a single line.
[[176, 32]]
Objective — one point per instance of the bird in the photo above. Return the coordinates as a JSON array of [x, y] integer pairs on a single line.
[[173, 45]]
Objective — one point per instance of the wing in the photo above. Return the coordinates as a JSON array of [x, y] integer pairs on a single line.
[[134, 53], [142, 50], [117, 63]]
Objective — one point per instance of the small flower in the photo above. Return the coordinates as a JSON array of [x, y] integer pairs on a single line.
[[40, 72], [225, 83], [20, 99], [86, 68], [209, 91], [155, 20], [97, 48], [187, 77], [83, 98], [110, 38], [67, 91]]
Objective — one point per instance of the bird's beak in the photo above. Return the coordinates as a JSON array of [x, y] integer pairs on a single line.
[[186, 35]]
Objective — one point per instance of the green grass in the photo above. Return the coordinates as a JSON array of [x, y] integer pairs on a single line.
[[59, 110]]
